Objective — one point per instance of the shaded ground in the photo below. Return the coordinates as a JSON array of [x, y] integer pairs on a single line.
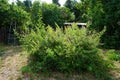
[[14, 58]]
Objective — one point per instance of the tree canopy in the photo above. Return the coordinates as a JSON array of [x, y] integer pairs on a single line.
[[106, 13], [98, 13], [56, 2]]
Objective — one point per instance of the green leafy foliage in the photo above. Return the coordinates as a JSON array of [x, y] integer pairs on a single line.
[[73, 6], [72, 50], [36, 14], [113, 55], [25, 5], [112, 15], [70, 4], [11, 13], [4, 6], [52, 14], [56, 2], [19, 15], [20, 4], [105, 13], [83, 8], [1, 52], [25, 69]]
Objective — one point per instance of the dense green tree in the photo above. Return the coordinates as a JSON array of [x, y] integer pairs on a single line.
[[73, 6], [53, 14], [20, 4], [4, 7], [18, 15], [96, 14], [106, 13], [11, 13], [36, 14], [28, 4], [82, 12], [68, 4], [112, 19]]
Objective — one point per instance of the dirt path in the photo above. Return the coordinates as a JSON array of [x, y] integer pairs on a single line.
[[12, 61]]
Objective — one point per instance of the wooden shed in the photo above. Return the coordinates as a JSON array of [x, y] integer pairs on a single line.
[[78, 24]]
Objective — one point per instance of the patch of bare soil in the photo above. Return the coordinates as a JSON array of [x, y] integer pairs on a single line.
[[116, 73], [12, 61]]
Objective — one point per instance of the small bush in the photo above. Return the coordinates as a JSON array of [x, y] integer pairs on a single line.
[[25, 69], [113, 55], [74, 50]]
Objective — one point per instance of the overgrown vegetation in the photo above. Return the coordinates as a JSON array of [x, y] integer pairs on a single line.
[[70, 50], [52, 14], [103, 13], [113, 55], [74, 50], [11, 14], [99, 13]]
